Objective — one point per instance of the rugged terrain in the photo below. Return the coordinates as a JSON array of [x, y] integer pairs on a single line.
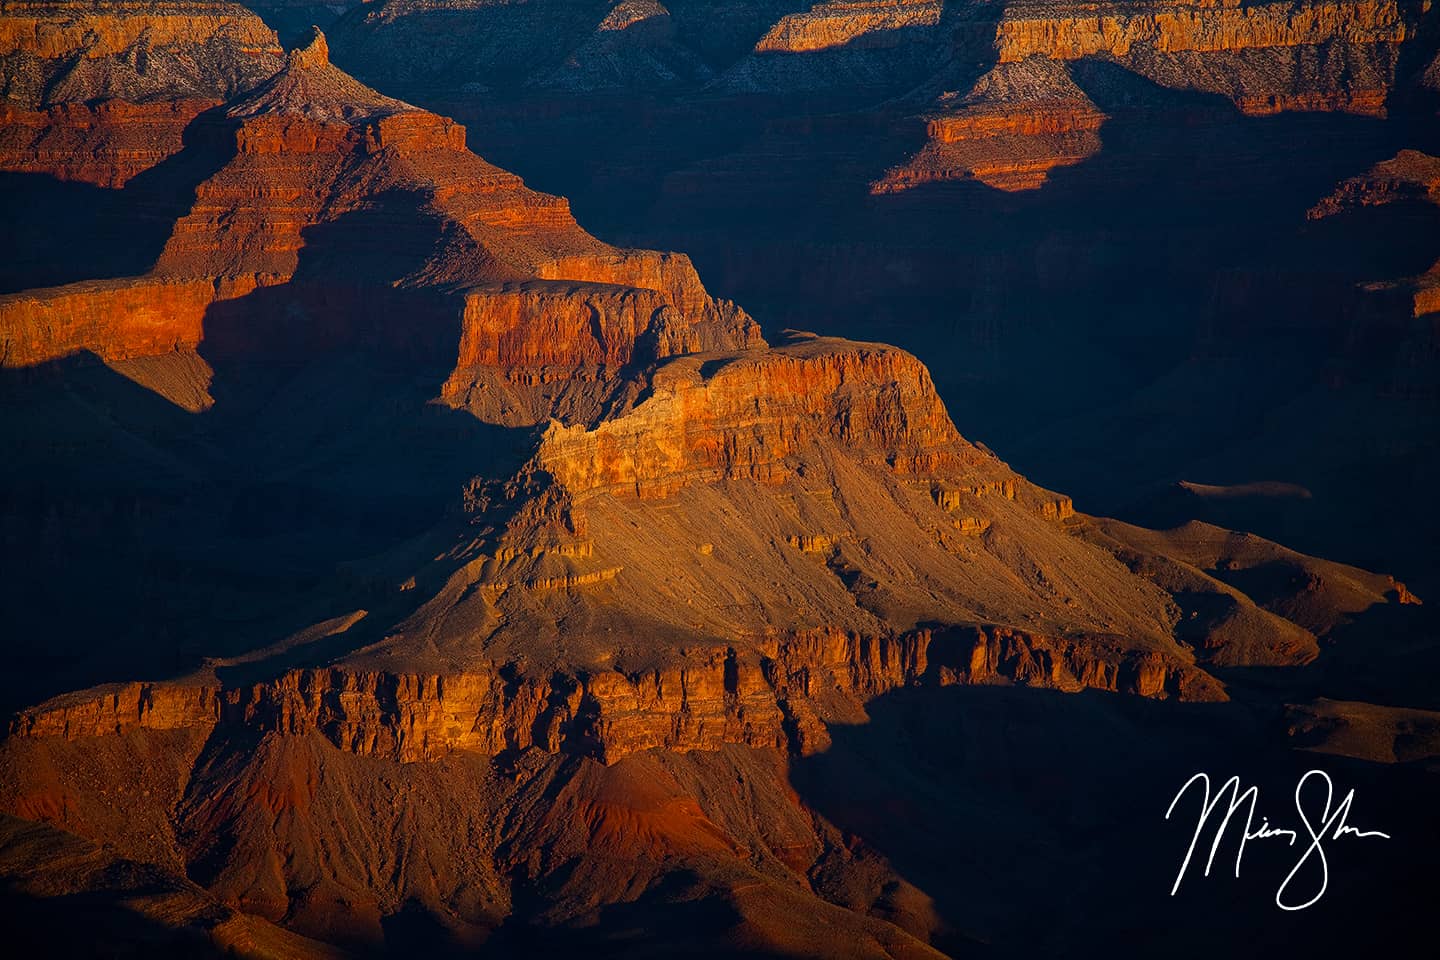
[[392, 565]]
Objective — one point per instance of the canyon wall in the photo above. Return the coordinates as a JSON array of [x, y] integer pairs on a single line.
[[1065, 31], [66, 51], [782, 698]]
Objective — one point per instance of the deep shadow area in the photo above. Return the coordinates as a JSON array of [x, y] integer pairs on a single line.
[[50, 927], [139, 538], [54, 232], [678, 917], [1036, 821]]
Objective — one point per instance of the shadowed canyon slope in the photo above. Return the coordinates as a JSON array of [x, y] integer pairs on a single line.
[[394, 566]]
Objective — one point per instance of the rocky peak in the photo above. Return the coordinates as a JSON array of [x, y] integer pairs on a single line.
[[314, 52], [311, 86]]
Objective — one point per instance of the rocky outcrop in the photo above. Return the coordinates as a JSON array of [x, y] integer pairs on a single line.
[[835, 24], [614, 661], [1409, 176], [1026, 116], [746, 417], [547, 349], [99, 92], [633, 47], [1019, 121]]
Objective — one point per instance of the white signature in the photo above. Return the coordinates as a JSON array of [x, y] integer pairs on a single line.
[[1331, 825]]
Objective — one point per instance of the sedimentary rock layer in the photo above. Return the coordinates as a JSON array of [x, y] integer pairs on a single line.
[[710, 698], [69, 51], [1019, 121], [1066, 31], [106, 143], [749, 415], [828, 25]]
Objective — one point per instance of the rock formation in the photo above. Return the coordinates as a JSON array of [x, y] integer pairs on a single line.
[[670, 566], [828, 25], [1020, 120], [1409, 176], [475, 45]]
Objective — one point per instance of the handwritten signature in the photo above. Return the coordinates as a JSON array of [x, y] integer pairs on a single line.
[[1331, 824]]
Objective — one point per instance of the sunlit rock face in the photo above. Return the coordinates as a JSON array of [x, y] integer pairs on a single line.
[[511, 579], [1026, 116]]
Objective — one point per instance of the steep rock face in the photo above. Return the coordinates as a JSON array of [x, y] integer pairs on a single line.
[[55, 52], [743, 420], [842, 47], [1266, 58], [1068, 32], [115, 319], [781, 696], [1026, 116], [709, 566], [829, 465], [547, 349], [101, 92]]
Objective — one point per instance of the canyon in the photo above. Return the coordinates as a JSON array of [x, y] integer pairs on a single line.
[[395, 565]]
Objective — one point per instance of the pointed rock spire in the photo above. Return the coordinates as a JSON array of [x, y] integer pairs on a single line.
[[314, 52]]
